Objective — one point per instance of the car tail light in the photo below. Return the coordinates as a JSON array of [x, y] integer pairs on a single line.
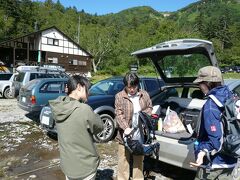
[[33, 99]]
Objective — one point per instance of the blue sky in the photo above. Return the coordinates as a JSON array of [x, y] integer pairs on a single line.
[[113, 6]]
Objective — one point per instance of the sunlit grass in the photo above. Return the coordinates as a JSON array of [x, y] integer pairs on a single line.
[[231, 75]]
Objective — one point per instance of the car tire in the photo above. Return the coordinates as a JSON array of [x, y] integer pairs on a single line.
[[108, 131], [8, 93]]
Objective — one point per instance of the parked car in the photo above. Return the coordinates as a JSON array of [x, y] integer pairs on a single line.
[[36, 93], [234, 85], [34, 72], [102, 99], [236, 69], [6, 80], [186, 57]]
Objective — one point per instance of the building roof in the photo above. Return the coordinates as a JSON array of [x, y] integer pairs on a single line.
[[40, 31]]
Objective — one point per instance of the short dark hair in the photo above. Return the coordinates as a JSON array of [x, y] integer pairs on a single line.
[[131, 79], [212, 85], [75, 80]]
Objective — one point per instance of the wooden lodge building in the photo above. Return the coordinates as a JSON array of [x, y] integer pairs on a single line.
[[49, 46]]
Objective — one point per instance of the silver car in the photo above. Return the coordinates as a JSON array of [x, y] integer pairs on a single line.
[[6, 80], [178, 62]]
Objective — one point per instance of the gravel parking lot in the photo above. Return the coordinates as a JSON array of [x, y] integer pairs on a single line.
[[27, 152]]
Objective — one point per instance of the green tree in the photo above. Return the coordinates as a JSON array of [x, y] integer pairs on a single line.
[[99, 42]]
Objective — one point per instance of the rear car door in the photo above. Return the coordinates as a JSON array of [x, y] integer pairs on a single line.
[[50, 90]]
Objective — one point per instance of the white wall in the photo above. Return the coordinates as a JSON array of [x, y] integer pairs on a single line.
[[65, 45]]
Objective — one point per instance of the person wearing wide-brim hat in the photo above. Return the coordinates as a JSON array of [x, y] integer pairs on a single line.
[[210, 162]]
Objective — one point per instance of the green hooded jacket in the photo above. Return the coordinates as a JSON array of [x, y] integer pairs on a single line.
[[76, 123]]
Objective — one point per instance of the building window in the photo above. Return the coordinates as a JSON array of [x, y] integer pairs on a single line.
[[75, 62], [54, 42], [50, 41], [53, 60], [82, 63]]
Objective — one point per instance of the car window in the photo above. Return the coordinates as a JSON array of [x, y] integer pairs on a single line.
[[31, 84], [196, 93], [159, 98], [151, 85], [33, 76], [236, 90], [43, 75], [5, 76], [52, 87], [110, 87], [20, 77], [115, 87], [186, 65], [100, 88]]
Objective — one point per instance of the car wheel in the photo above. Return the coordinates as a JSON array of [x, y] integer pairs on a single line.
[[8, 93], [108, 131]]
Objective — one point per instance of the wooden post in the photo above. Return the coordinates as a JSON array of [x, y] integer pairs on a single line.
[[28, 52], [14, 60]]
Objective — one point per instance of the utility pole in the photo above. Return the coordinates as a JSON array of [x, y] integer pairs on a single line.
[[78, 29]]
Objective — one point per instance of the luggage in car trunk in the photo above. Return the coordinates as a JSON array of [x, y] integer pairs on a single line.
[[187, 112], [189, 119]]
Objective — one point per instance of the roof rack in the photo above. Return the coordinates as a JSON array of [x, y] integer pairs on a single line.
[[26, 68], [52, 67], [41, 68]]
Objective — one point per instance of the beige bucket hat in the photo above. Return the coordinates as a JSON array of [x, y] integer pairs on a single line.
[[209, 74]]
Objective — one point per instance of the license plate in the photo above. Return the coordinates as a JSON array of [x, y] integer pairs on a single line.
[[23, 99], [45, 120]]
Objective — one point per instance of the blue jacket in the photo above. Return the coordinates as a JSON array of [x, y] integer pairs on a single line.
[[211, 131]]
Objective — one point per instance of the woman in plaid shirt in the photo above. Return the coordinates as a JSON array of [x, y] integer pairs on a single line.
[[128, 103]]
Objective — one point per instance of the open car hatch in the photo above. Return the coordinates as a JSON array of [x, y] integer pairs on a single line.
[[178, 61]]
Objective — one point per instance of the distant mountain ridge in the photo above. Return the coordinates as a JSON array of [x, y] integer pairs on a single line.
[[135, 15]]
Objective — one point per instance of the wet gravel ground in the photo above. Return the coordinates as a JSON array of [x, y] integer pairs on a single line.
[[27, 152]]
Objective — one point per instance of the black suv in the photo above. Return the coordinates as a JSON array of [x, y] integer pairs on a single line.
[[102, 99]]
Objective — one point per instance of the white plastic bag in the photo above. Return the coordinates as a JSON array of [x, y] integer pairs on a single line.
[[172, 123]]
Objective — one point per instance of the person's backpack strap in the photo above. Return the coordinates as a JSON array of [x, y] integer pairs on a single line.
[[148, 125], [217, 102], [196, 132], [221, 106]]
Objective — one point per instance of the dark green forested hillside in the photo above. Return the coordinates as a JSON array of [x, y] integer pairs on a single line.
[[218, 21], [111, 38]]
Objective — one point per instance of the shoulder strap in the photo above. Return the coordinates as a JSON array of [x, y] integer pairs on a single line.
[[199, 122], [217, 102], [198, 125], [147, 123]]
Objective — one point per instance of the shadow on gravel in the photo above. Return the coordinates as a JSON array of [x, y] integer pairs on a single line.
[[153, 167], [33, 116], [106, 174]]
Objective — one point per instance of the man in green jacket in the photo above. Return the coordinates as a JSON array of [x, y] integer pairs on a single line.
[[76, 124]]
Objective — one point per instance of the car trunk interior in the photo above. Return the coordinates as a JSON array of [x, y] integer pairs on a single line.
[[187, 107]]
